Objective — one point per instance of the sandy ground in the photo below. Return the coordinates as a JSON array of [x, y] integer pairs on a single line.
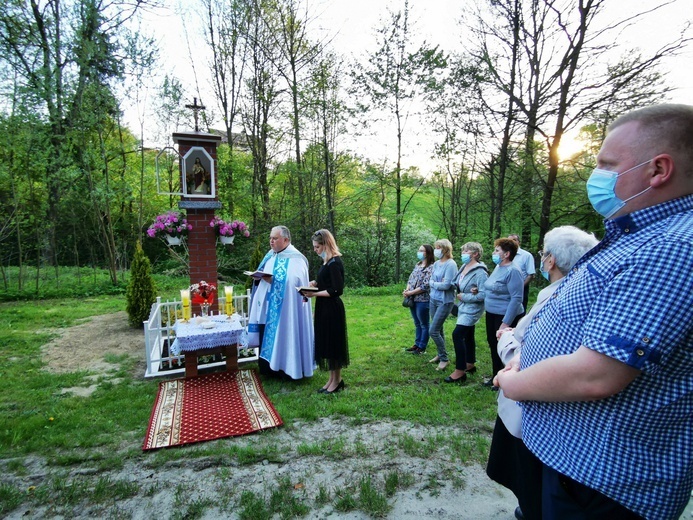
[[441, 488]]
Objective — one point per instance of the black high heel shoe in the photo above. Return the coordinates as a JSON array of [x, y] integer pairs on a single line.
[[460, 379], [471, 370], [340, 386]]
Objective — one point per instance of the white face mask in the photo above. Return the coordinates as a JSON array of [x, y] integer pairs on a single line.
[[438, 253]]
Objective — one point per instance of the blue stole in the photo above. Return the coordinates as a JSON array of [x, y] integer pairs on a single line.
[[275, 299]]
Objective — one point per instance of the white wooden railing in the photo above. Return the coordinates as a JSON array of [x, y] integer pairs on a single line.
[[159, 335]]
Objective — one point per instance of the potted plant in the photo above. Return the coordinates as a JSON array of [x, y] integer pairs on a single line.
[[171, 225], [227, 231]]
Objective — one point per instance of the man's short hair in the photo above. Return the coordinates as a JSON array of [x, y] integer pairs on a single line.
[[666, 128], [284, 231]]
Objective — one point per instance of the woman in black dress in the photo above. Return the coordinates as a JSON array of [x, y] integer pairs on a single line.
[[331, 348]]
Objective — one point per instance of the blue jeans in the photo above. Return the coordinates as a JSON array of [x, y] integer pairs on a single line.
[[419, 312], [439, 312]]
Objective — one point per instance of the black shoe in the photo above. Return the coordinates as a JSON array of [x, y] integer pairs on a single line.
[[518, 513], [460, 379], [488, 383], [340, 386], [418, 351], [471, 370], [411, 349], [322, 391]]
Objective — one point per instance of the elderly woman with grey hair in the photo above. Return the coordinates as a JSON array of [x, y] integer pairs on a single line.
[[470, 293], [510, 463]]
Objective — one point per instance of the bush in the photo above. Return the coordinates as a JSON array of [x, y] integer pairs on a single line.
[[141, 292]]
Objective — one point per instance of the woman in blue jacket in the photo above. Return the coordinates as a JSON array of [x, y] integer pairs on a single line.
[[441, 297]]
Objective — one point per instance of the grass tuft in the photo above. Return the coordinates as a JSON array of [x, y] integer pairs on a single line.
[[10, 498], [371, 500]]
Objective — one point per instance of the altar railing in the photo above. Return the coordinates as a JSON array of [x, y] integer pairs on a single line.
[[159, 335]]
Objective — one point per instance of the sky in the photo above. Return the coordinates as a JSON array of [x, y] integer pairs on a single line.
[[350, 25]]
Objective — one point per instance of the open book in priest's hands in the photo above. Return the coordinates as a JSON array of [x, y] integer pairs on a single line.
[[258, 275]]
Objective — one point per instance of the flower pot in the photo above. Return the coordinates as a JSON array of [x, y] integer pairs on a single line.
[[226, 240], [173, 241]]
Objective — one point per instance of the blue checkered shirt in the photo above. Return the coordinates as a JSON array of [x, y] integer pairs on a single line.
[[630, 298]]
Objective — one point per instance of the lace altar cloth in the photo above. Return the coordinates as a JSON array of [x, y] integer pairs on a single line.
[[202, 333]]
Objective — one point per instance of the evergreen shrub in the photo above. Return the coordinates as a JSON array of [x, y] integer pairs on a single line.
[[141, 291]]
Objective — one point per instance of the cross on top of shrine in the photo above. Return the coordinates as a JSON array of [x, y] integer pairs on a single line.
[[195, 108]]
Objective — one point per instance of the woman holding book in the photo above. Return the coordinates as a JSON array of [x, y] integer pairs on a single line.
[[331, 347]]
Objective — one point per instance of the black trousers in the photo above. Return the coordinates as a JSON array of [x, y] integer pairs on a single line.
[[465, 346], [564, 498]]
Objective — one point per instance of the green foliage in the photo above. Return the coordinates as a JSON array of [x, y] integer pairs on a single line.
[[141, 293]]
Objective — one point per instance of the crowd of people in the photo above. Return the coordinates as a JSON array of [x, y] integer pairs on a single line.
[[596, 380]]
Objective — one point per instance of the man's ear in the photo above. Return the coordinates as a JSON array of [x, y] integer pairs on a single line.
[[663, 170]]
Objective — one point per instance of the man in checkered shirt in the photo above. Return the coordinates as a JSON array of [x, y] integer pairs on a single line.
[[606, 371]]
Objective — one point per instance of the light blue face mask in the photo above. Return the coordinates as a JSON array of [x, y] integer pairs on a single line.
[[545, 274], [496, 259], [600, 190], [465, 258], [438, 253], [420, 255], [323, 255]]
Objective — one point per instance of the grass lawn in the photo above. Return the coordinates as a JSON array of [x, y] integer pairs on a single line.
[[106, 429]]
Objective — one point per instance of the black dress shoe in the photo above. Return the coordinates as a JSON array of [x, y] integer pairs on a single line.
[[518, 513], [471, 370], [340, 386], [460, 379], [322, 390]]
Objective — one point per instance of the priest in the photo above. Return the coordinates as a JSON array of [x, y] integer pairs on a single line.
[[280, 321]]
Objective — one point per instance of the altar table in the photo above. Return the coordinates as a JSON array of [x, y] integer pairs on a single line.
[[207, 336]]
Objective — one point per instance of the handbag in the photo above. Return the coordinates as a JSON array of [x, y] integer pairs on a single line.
[[455, 310], [408, 301]]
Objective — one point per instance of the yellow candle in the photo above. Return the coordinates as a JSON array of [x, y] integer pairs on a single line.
[[228, 292], [185, 299]]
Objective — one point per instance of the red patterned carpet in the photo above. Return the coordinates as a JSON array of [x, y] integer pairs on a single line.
[[209, 407]]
